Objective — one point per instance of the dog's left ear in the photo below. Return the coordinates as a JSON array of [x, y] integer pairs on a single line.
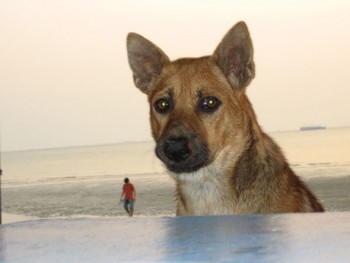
[[146, 60], [234, 55]]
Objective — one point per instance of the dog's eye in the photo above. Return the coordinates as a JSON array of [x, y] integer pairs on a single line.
[[162, 105], [209, 104]]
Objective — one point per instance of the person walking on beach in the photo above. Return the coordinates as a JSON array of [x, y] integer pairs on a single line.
[[128, 196]]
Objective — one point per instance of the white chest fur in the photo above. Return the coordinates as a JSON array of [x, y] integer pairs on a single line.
[[205, 192]]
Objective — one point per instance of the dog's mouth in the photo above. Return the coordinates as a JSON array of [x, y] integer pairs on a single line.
[[182, 155]]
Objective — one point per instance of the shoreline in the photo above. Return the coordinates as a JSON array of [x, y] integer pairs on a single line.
[[145, 179], [8, 218]]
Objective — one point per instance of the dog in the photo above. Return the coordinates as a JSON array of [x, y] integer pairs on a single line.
[[207, 134]]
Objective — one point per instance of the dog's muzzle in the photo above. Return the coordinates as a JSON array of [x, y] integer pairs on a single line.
[[182, 154]]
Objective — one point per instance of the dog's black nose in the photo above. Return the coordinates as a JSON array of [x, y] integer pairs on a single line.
[[176, 148]]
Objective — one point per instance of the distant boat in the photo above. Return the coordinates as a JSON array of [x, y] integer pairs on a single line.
[[311, 128]]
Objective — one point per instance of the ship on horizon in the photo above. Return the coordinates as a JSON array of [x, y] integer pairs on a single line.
[[311, 128]]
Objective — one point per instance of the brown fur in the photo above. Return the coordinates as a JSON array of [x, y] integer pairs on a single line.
[[221, 160]]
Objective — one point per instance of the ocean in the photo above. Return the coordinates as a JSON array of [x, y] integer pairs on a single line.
[[80, 163], [315, 153], [87, 180]]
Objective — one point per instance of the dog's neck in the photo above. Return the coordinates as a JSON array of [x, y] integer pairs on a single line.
[[219, 190], [204, 192]]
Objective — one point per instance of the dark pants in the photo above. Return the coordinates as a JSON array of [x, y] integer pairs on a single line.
[[128, 205]]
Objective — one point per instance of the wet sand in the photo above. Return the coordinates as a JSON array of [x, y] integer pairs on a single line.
[[101, 198], [334, 193]]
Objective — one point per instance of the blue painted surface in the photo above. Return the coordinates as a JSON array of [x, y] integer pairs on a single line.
[[321, 237]]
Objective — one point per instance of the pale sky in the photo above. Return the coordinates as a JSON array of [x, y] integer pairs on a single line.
[[65, 79]]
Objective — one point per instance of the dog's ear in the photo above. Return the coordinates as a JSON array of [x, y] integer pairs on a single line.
[[146, 60], [234, 55]]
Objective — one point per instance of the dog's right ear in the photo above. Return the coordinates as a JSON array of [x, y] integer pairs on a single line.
[[146, 60]]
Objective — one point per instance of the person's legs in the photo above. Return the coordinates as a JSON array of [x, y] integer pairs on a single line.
[[126, 204], [131, 208]]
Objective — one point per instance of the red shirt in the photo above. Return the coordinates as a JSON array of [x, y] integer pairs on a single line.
[[128, 191]]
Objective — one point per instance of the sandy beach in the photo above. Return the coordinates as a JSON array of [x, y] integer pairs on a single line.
[[85, 199], [101, 198]]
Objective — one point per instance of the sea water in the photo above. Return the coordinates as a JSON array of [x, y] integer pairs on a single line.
[[314, 153], [80, 163]]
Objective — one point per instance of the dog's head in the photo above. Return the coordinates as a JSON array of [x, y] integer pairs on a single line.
[[196, 103]]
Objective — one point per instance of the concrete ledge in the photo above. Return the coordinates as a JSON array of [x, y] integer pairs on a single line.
[[251, 238]]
